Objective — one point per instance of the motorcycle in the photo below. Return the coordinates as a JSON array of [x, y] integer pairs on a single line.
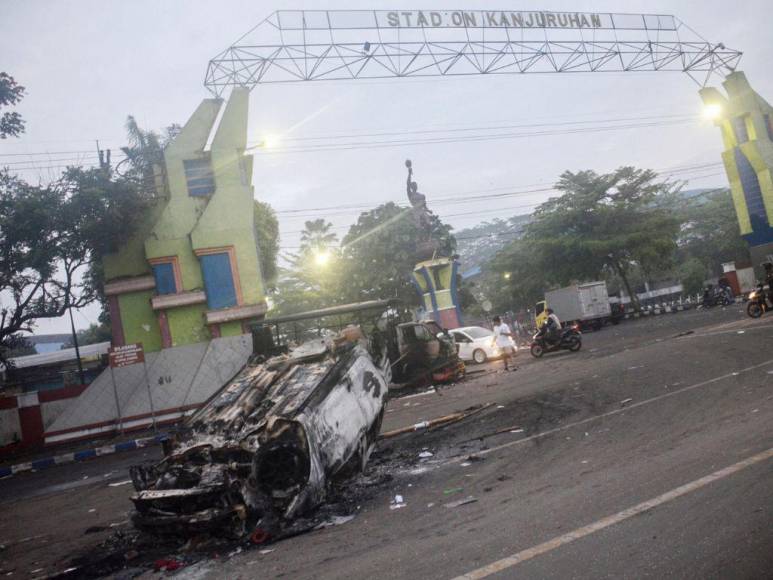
[[571, 339], [758, 302], [714, 296]]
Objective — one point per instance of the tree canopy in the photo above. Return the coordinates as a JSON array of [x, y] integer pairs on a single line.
[[48, 237], [11, 122], [379, 253], [313, 277], [710, 233], [620, 224], [373, 261], [267, 230], [616, 221]]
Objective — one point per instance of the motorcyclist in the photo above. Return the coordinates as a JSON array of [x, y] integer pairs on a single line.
[[769, 279], [727, 289], [553, 328], [708, 295]]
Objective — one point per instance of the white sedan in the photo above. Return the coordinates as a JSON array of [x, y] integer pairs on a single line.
[[477, 343]]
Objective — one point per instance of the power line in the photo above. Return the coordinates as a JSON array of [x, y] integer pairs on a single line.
[[63, 159], [683, 202], [469, 139], [461, 197], [684, 117], [482, 128], [46, 153]]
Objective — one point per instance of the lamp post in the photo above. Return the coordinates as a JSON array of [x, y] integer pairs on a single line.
[[77, 350]]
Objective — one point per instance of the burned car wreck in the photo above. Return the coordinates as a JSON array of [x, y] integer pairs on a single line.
[[264, 449]]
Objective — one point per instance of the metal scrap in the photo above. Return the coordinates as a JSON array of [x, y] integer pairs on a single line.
[[438, 422]]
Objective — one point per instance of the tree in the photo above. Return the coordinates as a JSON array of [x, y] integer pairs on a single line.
[[513, 279], [50, 235], [11, 123], [710, 232], [692, 274], [94, 334], [617, 220], [379, 253], [267, 230], [20, 346], [317, 235], [314, 277]]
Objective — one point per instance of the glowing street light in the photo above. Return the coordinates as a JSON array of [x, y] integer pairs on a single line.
[[507, 275], [712, 111], [269, 142], [322, 258]]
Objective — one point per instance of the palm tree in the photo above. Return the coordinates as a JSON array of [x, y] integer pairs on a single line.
[[317, 235], [144, 154]]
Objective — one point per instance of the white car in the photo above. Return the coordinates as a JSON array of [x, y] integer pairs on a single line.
[[477, 343]]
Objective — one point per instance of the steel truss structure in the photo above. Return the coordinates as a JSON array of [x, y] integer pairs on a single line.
[[291, 46]]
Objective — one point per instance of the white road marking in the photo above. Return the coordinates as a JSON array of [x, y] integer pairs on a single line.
[[625, 409], [608, 521]]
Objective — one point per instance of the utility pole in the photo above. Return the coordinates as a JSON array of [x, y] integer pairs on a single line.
[[77, 350]]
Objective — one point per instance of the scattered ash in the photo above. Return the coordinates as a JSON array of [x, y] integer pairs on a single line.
[[127, 554]]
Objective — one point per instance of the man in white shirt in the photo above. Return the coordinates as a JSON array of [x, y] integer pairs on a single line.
[[503, 340]]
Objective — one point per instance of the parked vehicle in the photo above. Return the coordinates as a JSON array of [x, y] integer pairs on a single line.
[[424, 353], [586, 304], [571, 339], [476, 343], [758, 302]]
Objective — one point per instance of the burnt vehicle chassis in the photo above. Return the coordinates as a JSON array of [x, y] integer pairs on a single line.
[[265, 448]]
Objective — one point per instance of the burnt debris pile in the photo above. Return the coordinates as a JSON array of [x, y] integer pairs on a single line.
[[265, 449]]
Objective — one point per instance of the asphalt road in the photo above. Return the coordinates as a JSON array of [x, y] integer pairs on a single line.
[[646, 455]]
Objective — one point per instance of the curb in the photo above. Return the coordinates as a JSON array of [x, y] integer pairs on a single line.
[[81, 455]]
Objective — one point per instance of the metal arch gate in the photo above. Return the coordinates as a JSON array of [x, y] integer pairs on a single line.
[[293, 46]]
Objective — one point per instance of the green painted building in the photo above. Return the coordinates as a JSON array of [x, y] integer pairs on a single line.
[[192, 272], [746, 122]]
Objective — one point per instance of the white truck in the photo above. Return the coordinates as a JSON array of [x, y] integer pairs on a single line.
[[587, 304]]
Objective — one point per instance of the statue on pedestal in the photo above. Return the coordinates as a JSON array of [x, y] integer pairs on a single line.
[[427, 247]]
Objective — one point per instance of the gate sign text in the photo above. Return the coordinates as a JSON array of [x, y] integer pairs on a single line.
[[128, 354], [510, 19]]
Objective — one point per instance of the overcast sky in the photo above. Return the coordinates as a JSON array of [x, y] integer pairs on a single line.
[[88, 64]]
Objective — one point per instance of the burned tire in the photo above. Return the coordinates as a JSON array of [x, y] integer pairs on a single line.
[[754, 309], [536, 350], [479, 356]]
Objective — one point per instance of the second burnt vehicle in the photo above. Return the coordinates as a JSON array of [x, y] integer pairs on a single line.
[[304, 412]]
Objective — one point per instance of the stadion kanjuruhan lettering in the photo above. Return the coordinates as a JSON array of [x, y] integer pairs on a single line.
[[495, 19]]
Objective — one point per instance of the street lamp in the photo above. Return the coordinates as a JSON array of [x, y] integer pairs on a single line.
[[321, 258], [712, 111], [270, 142]]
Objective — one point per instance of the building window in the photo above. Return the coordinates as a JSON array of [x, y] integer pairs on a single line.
[[166, 271], [739, 127], [220, 280], [199, 177], [769, 126]]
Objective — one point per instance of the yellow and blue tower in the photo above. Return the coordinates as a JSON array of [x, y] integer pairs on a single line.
[[746, 122], [436, 283]]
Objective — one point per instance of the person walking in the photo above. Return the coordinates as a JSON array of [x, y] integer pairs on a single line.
[[503, 340]]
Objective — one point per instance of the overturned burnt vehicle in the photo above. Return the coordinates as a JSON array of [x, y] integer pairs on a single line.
[[305, 411]]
